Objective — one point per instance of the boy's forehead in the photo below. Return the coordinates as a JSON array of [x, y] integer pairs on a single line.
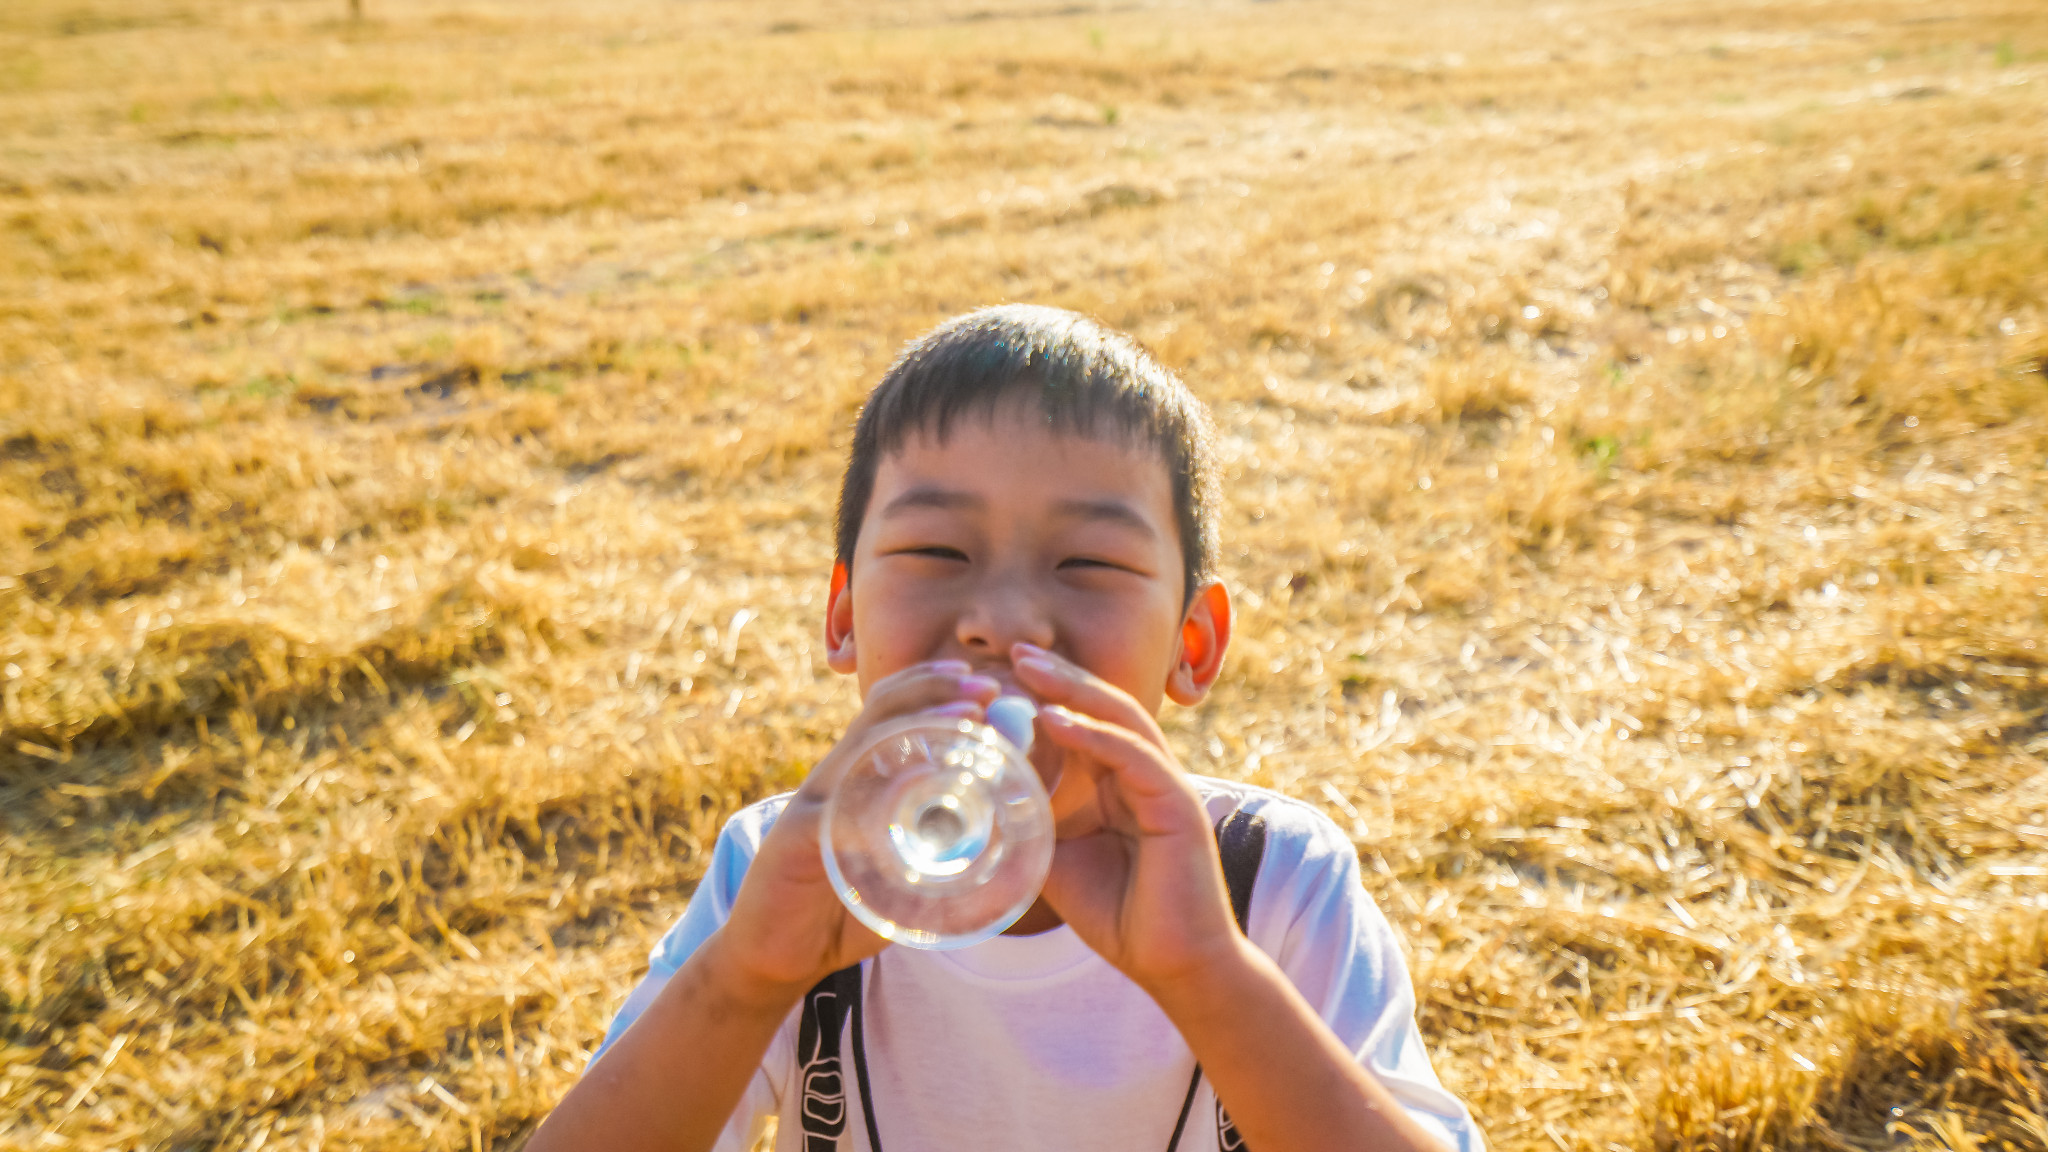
[[1009, 458]]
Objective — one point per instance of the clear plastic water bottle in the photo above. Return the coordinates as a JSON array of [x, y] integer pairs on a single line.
[[940, 836]]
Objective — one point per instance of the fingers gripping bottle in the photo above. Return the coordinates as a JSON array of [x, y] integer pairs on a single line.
[[940, 836]]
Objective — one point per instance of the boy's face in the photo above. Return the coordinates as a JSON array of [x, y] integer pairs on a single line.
[[1007, 532]]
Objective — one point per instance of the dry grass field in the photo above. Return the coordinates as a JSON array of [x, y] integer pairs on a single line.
[[418, 438]]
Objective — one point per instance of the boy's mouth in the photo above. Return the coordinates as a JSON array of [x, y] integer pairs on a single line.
[[1043, 756], [1006, 680]]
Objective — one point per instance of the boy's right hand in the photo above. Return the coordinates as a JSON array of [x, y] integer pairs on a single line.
[[787, 929]]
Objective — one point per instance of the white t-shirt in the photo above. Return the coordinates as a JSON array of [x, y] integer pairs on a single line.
[[1035, 1042]]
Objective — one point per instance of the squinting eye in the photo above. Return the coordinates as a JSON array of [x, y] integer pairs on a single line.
[[1088, 562], [937, 553]]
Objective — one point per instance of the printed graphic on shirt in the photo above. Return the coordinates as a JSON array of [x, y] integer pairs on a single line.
[[822, 1085], [1226, 1132]]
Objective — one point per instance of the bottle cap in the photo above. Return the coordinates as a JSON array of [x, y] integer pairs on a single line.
[[1012, 716]]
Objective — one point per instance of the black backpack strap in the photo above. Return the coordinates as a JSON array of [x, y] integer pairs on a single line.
[[860, 1061], [1241, 840], [820, 1075]]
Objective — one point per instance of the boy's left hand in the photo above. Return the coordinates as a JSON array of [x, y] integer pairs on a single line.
[[1136, 871]]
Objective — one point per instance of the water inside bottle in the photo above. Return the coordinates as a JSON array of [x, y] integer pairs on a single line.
[[941, 833]]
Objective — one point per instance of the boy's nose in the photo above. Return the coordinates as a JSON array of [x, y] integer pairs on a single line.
[[1001, 614]]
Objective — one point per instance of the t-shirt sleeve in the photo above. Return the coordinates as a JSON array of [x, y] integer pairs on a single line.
[[708, 908], [1313, 916]]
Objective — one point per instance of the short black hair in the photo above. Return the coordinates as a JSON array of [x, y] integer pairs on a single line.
[[1085, 379]]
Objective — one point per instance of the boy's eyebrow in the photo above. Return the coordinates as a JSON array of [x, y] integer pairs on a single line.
[[1111, 510], [927, 496]]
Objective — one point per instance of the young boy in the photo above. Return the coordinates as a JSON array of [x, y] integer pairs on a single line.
[[1029, 507]]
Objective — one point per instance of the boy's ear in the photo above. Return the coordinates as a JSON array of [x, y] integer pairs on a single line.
[[1204, 634], [839, 623]]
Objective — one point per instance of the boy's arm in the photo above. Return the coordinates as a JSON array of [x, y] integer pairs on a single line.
[[670, 1082], [1286, 1079], [1138, 877]]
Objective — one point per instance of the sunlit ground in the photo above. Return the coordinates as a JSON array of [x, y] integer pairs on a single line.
[[418, 439]]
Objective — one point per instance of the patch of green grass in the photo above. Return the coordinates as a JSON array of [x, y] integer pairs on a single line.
[[553, 381], [419, 304], [20, 71], [384, 95], [268, 386]]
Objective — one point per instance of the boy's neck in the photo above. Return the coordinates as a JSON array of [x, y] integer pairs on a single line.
[[1038, 918]]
